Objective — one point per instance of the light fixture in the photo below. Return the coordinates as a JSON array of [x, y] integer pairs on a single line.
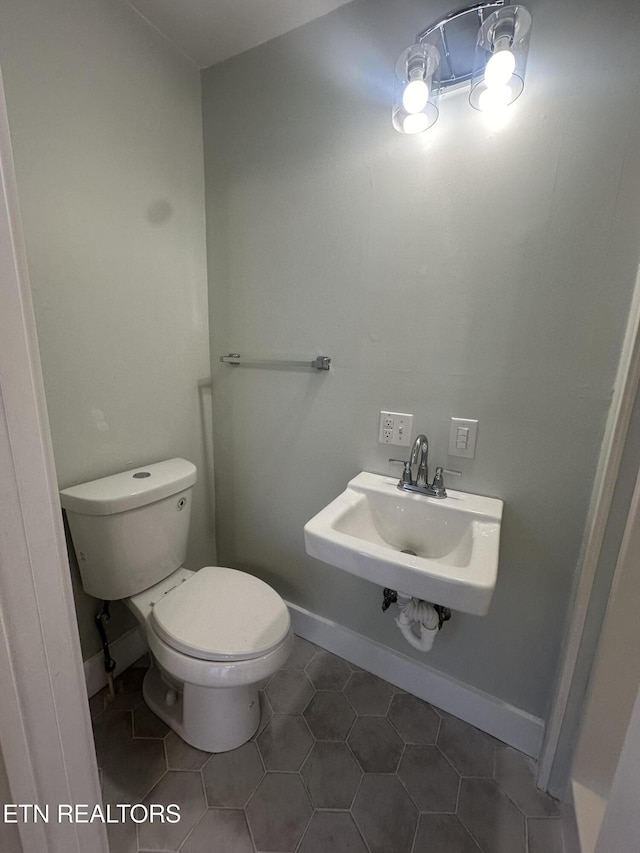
[[500, 58], [415, 106], [485, 44]]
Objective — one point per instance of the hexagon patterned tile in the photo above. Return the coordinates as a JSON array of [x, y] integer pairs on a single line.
[[342, 761]]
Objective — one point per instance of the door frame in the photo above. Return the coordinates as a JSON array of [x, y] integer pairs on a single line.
[[45, 726], [627, 383]]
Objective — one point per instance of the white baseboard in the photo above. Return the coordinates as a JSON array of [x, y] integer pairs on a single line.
[[511, 725], [125, 651]]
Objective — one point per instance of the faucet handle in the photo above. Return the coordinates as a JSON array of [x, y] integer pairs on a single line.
[[406, 473], [438, 480]]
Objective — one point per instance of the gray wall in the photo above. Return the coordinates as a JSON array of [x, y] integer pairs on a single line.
[[106, 127], [476, 271]]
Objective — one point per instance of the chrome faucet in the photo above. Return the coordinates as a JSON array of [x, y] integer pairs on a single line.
[[420, 455]]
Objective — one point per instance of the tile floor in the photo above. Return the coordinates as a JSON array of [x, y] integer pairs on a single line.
[[342, 762]]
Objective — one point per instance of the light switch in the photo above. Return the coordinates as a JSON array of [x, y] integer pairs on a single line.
[[462, 437]]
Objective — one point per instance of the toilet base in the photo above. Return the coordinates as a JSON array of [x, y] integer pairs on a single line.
[[213, 719]]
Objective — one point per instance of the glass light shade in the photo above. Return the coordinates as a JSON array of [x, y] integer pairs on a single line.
[[415, 102], [494, 98], [500, 59]]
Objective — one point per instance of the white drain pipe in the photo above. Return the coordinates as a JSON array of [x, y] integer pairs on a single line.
[[414, 611]]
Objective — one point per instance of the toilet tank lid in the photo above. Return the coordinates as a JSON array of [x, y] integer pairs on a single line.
[[130, 489]]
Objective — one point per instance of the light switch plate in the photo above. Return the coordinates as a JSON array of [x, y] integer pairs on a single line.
[[395, 428], [463, 434]]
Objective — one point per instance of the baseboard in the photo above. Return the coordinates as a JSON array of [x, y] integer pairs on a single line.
[[125, 651], [511, 725]]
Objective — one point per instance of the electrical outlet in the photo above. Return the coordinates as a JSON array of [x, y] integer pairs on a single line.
[[395, 428], [462, 437]]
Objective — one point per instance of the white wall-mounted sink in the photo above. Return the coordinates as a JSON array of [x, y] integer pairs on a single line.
[[456, 541]]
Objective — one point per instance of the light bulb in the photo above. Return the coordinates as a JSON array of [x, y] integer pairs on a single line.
[[499, 68], [415, 123], [494, 97], [415, 96]]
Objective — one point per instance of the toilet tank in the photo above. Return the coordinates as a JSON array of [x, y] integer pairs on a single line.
[[130, 530]]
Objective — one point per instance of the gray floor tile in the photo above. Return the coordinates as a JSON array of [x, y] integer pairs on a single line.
[[130, 767], [368, 694], [329, 715], [289, 691], [220, 831], [384, 806], [430, 780], [122, 837], [384, 814], [331, 775], [376, 744], [545, 836], [467, 748], [328, 672], [112, 731], [443, 833], [96, 703], [332, 831], [183, 756], [415, 720], [490, 817], [515, 774], [285, 742], [279, 812], [128, 688], [301, 654], [183, 789], [266, 712], [569, 828], [146, 724], [231, 777]]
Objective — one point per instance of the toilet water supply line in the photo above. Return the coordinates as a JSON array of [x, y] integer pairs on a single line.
[[102, 618]]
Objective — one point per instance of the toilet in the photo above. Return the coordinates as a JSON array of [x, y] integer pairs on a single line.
[[215, 635]]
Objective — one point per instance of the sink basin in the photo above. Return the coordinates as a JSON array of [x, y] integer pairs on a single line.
[[455, 540]]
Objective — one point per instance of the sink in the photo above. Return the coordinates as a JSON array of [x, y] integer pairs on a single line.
[[455, 540]]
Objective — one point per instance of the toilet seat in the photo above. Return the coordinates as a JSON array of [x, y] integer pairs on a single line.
[[221, 614]]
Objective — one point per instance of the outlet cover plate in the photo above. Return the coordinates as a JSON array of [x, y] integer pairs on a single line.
[[395, 428]]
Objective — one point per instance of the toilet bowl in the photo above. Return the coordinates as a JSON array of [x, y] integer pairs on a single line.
[[215, 635]]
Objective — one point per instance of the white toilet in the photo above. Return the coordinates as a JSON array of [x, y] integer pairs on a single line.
[[215, 635]]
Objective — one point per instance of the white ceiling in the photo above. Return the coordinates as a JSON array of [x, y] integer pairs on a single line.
[[208, 31]]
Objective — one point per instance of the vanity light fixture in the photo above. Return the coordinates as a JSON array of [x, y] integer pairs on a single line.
[[484, 44]]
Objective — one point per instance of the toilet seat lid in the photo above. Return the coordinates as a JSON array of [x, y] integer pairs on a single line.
[[222, 614]]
